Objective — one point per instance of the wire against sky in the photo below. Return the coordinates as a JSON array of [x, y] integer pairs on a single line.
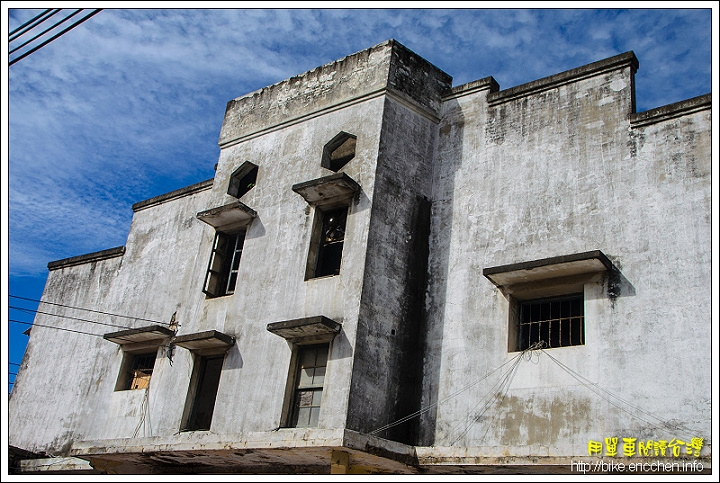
[[42, 44], [89, 310]]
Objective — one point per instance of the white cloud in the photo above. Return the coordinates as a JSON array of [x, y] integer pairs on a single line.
[[129, 105]]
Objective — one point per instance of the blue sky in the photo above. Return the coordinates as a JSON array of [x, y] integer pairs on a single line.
[[129, 104]]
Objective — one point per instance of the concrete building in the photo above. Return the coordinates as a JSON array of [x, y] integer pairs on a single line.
[[390, 274]]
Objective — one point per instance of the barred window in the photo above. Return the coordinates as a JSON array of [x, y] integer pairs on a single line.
[[559, 322]]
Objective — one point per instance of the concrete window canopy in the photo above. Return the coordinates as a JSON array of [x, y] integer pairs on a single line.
[[206, 342], [230, 217], [329, 191], [148, 334], [548, 276], [307, 329]]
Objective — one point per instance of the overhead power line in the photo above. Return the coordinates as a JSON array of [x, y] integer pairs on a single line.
[[34, 21], [69, 317], [67, 29], [89, 310], [53, 327], [46, 30]]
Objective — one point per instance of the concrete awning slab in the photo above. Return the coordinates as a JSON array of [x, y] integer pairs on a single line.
[[548, 268], [141, 334], [232, 216], [317, 327], [209, 339], [328, 189]]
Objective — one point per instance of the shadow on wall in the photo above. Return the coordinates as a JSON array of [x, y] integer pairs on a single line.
[[451, 135]]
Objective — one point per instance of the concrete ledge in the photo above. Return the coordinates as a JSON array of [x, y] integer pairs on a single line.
[[88, 258], [228, 217], [627, 59], [306, 328], [547, 268], [385, 67], [486, 83], [188, 190], [671, 111], [56, 466]]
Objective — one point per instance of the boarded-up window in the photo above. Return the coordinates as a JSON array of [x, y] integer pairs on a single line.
[[137, 370]]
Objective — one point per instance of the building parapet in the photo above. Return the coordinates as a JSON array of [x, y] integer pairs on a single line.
[[87, 258], [671, 111], [486, 83], [386, 67], [179, 193], [572, 75]]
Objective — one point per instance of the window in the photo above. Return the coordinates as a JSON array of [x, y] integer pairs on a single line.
[[331, 238], [203, 391], [309, 380], [243, 179], [559, 322], [339, 151], [222, 271], [546, 296], [136, 371]]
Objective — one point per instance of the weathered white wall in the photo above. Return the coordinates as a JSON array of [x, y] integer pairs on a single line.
[[550, 172], [554, 173]]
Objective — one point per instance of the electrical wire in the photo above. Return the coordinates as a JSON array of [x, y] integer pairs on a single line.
[[430, 406], [608, 396], [46, 30], [503, 385], [34, 49], [44, 14], [14, 363], [53, 327], [69, 317], [89, 310]]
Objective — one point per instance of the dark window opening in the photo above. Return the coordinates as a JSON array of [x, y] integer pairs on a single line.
[[339, 151], [559, 322], [136, 372], [309, 381], [203, 397], [330, 246], [243, 180], [222, 272]]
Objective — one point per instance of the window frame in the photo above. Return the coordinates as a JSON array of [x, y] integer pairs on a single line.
[[296, 388], [225, 275], [532, 313], [130, 367], [320, 249]]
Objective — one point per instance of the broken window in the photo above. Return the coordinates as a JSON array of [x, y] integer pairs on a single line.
[[224, 264], [558, 322], [203, 392], [243, 180], [329, 242], [136, 370], [309, 381], [339, 151]]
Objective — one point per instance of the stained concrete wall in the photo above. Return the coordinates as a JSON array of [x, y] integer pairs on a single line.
[[556, 168], [452, 182], [167, 251]]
